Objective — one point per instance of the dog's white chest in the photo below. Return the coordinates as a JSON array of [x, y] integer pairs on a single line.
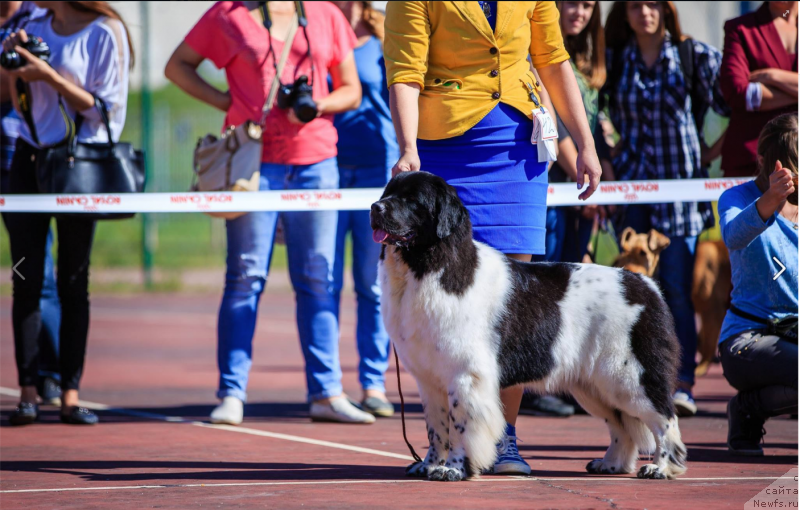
[[437, 333]]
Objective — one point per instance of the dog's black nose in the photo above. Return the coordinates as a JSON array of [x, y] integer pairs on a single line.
[[378, 208]]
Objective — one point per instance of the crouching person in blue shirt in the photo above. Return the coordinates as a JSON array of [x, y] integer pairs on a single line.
[[758, 341]]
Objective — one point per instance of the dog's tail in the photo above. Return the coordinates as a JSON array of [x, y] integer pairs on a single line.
[[675, 449], [641, 435], [487, 427], [645, 442]]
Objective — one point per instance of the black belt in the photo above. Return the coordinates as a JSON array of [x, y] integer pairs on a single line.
[[785, 328]]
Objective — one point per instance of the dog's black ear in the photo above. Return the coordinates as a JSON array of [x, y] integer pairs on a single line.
[[451, 212]]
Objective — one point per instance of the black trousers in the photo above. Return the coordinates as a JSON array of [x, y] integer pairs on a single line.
[[28, 236], [764, 370]]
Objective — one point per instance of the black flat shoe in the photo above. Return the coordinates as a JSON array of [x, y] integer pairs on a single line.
[[545, 405], [80, 416], [25, 414], [377, 407]]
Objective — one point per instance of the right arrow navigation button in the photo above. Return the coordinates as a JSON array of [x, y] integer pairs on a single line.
[[783, 268]]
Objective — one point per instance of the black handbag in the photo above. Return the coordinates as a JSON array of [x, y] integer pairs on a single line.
[[73, 167]]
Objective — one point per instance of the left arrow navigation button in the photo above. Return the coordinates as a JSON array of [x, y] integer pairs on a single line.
[[16, 266]]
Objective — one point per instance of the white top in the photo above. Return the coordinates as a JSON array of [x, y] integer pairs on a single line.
[[97, 59]]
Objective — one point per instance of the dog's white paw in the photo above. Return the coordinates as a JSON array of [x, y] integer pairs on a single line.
[[418, 469], [601, 467], [447, 474], [651, 471]]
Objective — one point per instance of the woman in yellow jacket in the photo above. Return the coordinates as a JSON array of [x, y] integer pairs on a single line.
[[462, 96]]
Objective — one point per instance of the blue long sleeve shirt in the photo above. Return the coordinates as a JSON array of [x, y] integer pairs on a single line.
[[752, 244], [366, 134]]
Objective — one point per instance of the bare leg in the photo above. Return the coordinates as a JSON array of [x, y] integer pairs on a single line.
[[28, 394], [512, 397], [69, 400]]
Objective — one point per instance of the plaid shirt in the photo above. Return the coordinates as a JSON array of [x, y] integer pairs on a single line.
[[651, 109]]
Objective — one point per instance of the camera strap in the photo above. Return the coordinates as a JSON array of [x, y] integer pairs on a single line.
[[25, 101], [300, 11], [26, 107], [287, 47]]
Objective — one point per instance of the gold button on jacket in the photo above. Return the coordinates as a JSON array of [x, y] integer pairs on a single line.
[[464, 69]]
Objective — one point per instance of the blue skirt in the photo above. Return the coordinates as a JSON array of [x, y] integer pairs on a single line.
[[496, 172]]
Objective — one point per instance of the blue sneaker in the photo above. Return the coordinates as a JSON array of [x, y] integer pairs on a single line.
[[509, 461], [684, 403]]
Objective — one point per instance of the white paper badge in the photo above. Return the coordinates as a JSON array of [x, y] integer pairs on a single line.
[[544, 134]]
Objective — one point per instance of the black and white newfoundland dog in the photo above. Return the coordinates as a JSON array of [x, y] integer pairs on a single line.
[[466, 321]]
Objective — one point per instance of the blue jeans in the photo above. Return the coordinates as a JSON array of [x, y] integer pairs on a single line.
[[371, 336], [50, 309], [51, 317], [675, 273], [311, 244]]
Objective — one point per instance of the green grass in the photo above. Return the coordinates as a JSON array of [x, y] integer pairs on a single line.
[[184, 243]]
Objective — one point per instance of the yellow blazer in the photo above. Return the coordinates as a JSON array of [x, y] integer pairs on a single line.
[[464, 69]]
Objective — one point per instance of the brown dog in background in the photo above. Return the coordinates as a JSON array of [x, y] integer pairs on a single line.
[[711, 286], [711, 295], [639, 252]]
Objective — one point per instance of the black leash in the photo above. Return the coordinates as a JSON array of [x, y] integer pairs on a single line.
[[403, 407]]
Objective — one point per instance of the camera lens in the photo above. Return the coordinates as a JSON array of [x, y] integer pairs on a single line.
[[305, 108], [36, 45], [11, 60]]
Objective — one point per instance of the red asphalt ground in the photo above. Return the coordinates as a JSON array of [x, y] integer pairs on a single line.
[[156, 354]]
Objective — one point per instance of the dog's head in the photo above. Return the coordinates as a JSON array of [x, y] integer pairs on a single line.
[[640, 252], [418, 210]]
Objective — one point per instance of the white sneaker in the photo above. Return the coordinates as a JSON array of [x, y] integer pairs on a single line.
[[684, 403], [339, 410], [229, 412]]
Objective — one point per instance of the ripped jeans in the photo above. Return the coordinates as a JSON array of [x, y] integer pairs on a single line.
[[311, 246]]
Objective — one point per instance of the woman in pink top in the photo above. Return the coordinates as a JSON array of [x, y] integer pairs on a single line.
[[297, 155]]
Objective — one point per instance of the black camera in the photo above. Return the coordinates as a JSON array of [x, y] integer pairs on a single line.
[[38, 48], [298, 97]]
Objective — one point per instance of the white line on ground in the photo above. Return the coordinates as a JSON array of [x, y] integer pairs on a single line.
[[358, 482], [274, 435], [241, 430]]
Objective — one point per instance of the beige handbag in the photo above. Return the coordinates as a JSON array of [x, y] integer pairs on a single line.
[[233, 161]]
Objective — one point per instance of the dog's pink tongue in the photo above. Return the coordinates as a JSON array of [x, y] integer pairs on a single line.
[[379, 235]]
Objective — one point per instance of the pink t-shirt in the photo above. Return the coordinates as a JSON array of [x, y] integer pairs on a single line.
[[233, 40]]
